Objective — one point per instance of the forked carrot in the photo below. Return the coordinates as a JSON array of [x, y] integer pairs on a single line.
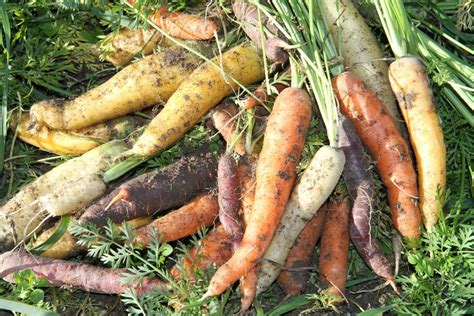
[[185, 221], [276, 173], [377, 129]]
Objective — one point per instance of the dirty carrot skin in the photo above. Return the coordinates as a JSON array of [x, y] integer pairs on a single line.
[[73, 274], [334, 253], [185, 221], [294, 282], [378, 131], [223, 119], [411, 87], [183, 26], [261, 93], [359, 182], [276, 174]]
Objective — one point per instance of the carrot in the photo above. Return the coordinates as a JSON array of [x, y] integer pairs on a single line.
[[73, 142], [185, 221], [360, 51], [73, 274], [223, 119], [63, 190], [183, 26], [276, 168], [152, 80], [334, 253], [411, 87], [379, 133], [292, 280], [358, 178], [273, 45], [261, 95], [213, 250], [228, 188], [158, 190]]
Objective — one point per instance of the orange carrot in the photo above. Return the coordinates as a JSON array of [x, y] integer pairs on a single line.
[[183, 26], [377, 129], [276, 173], [334, 253], [293, 282], [214, 249], [223, 119], [185, 221]]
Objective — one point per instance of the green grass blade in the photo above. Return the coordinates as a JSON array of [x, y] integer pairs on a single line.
[[376, 311], [122, 168], [24, 309], [54, 238], [4, 106], [290, 305]]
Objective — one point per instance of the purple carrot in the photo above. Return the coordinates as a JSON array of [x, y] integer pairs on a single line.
[[228, 198], [72, 274], [158, 190], [248, 14], [358, 178]]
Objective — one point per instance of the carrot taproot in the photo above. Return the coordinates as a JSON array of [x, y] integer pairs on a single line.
[[378, 131], [360, 186], [276, 173], [73, 274], [150, 81], [183, 26], [228, 197], [411, 87], [185, 221], [261, 95], [158, 190], [223, 119], [274, 44], [292, 280], [334, 253]]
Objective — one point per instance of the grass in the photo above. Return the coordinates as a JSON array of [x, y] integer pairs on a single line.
[[48, 57]]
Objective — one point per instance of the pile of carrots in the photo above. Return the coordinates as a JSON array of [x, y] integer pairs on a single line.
[[267, 219]]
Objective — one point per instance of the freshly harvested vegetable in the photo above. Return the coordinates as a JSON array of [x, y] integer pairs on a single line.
[[313, 189], [73, 142], [292, 279], [360, 50], [334, 253], [252, 20], [228, 197], [261, 95], [185, 221], [158, 190], [379, 133], [66, 244], [358, 178], [150, 81], [276, 173], [125, 44], [200, 92], [223, 119], [73, 274], [63, 190], [183, 26], [415, 97], [213, 250]]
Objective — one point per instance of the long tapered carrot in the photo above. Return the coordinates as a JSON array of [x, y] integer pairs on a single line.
[[334, 253], [293, 282], [183, 26], [185, 221], [380, 134], [276, 172], [223, 119], [411, 87]]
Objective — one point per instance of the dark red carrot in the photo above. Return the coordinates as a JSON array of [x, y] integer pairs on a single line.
[[377, 129], [72, 274], [358, 178], [223, 119], [334, 253], [185, 221], [228, 197], [158, 190], [248, 15], [293, 279]]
